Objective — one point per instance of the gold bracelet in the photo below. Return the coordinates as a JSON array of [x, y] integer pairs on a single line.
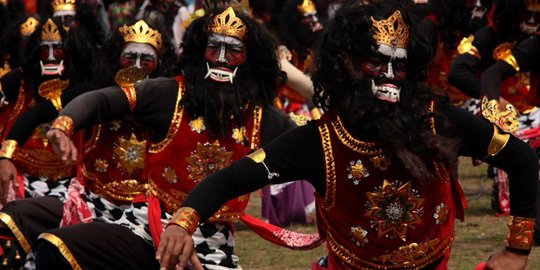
[[8, 148], [187, 218], [520, 233], [63, 123]]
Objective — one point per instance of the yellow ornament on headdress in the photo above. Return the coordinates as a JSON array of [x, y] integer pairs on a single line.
[[140, 32], [50, 32], [307, 7], [533, 5], [228, 24], [60, 5], [28, 27], [393, 31]]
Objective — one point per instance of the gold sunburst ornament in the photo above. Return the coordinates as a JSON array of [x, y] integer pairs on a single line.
[[393, 31], [207, 159], [226, 23], [130, 153], [140, 32], [533, 5], [394, 208], [28, 27], [61, 5]]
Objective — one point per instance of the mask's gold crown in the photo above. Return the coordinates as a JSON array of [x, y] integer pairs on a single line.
[[28, 27], [140, 32], [4, 2], [307, 7], [392, 31], [533, 5], [59, 5], [228, 24], [50, 32]]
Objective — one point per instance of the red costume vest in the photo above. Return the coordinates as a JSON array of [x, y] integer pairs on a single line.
[[188, 154], [37, 157], [113, 161], [374, 214]]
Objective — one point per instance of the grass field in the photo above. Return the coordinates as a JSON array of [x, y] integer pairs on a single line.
[[477, 237]]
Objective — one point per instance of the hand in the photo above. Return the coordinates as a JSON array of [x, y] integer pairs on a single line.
[[506, 260], [176, 248], [63, 146], [8, 173]]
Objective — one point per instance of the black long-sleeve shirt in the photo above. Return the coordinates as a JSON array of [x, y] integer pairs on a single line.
[[464, 70], [297, 154], [156, 102], [527, 55]]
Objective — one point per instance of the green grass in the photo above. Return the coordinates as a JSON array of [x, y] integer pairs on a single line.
[[481, 234]]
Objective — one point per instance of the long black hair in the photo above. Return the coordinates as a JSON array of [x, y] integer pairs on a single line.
[[404, 128]]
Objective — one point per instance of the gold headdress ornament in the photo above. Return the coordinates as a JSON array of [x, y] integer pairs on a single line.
[[533, 5], [392, 31], [4, 2], [50, 32], [140, 32], [28, 27], [228, 24], [59, 5], [307, 7]]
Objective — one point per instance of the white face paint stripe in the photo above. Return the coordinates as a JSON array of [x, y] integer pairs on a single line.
[[221, 57], [390, 72], [51, 54]]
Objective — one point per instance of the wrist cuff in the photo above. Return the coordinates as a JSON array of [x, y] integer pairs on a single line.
[[8, 149], [187, 218], [520, 234], [63, 123]]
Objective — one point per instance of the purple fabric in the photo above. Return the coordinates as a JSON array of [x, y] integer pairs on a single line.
[[289, 205]]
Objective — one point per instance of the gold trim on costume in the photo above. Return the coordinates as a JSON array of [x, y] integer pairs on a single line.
[[498, 141], [63, 123], [226, 23], [466, 46], [175, 124], [330, 167], [257, 117], [50, 32], [64, 250], [3, 71], [8, 148], [140, 32], [187, 218], [356, 145], [506, 120], [360, 263], [19, 105], [503, 52], [131, 96], [8, 220], [393, 31], [520, 232]]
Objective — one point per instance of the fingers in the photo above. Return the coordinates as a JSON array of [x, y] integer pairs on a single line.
[[187, 252], [195, 263], [169, 254]]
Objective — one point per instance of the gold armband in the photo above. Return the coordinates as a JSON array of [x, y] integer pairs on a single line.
[[259, 156], [187, 218], [520, 233], [63, 123], [503, 52], [8, 148], [498, 141], [465, 46]]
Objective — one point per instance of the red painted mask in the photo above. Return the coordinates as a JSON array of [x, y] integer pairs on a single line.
[[223, 55], [140, 55], [51, 57]]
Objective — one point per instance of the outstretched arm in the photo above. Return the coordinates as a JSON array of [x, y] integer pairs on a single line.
[[483, 140], [296, 154]]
